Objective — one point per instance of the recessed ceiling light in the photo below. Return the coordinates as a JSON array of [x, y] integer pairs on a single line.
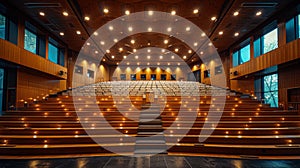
[[213, 18], [42, 13], [195, 11], [132, 41], [221, 33], [78, 32], [236, 34], [115, 40], [190, 51], [201, 52], [195, 44], [102, 42], [168, 63], [148, 57], [210, 44], [258, 13], [105, 10], [166, 41], [134, 50], [158, 63], [108, 51], [111, 28], [130, 28], [127, 12], [236, 13], [184, 57], [176, 50], [148, 63], [96, 33], [88, 43], [149, 43], [149, 29], [96, 52], [172, 57], [62, 33], [136, 57], [163, 50], [203, 34], [138, 63], [148, 50], [161, 57], [86, 18], [173, 12], [187, 29], [104, 59], [65, 13], [120, 49], [128, 63], [178, 64], [112, 56], [150, 13], [169, 29], [117, 63], [124, 56]]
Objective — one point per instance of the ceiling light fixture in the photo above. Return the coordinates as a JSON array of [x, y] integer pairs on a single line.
[[86, 18], [184, 57], [42, 13], [213, 18], [236, 13], [62, 33], [258, 13], [176, 50], [105, 10], [166, 41], [134, 50], [111, 28], [190, 51], [195, 11], [172, 57], [187, 29], [173, 12], [132, 41], [78, 32], [149, 29], [221, 33], [169, 29], [112, 56], [124, 56], [108, 51], [120, 49], [148, 57], [65, 13], [150, 13], [236, 34], [130, 29], [127, 12]]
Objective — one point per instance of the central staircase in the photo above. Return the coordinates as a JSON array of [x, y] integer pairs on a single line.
[[150, 137]]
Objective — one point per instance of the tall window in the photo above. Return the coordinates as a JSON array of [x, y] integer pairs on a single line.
[[299, 26], [30, 41], [241, 56], [270, 41], [53, 53], [2, 26], [270, 87], [266, 43]]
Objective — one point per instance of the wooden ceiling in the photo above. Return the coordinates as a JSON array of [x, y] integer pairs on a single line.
[[223, 10]]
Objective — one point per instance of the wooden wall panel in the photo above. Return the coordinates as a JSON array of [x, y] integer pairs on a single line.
[[15, 54], [289, 77], [281, 55], [36, 86]]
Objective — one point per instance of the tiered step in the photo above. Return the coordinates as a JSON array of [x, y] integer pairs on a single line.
[[150, 138]]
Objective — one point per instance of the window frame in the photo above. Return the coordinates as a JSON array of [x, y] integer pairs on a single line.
[[239, 55], [57, 54]]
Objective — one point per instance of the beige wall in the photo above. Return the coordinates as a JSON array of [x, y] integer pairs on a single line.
[[101, 73], [180, 71]]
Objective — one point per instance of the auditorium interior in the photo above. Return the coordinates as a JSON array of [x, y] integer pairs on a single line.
[[149, 83]]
